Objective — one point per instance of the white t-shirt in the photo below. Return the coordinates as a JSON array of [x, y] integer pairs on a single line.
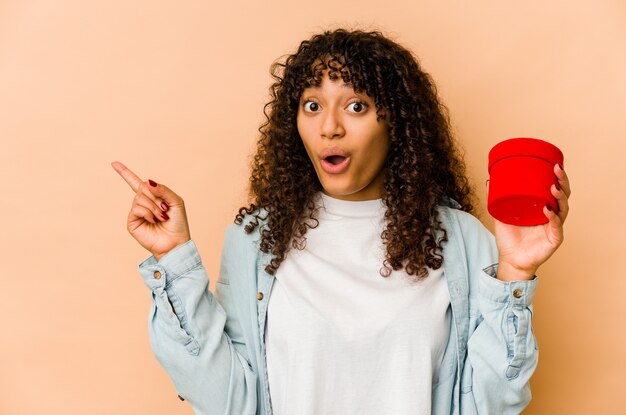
[[340, 338]]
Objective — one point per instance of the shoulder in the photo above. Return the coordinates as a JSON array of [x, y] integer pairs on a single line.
[[235, 235], [240, 252], [467, 222], [467, 230], [450, 213]]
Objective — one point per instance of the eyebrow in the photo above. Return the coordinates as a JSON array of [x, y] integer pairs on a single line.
[[347, 85]]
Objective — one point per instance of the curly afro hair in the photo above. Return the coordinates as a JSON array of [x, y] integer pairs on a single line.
[[423, 165]]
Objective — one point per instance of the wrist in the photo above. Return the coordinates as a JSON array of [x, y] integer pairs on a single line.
[[508, 272], [159, 256]]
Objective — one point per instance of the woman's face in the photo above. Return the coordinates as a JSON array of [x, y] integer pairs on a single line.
[[343, 139]]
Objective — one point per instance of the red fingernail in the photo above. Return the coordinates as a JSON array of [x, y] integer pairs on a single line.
[[164, 206], [557, 186], [152, 183], [560, 166], [549, 208], [164, 216]]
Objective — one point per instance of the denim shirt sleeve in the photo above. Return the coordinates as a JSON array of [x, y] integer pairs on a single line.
[[186, 329], [502, 351]]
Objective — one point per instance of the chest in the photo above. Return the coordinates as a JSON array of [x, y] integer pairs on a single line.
[[345, 299]]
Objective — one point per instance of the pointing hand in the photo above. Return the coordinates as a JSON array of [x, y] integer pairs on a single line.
[[157, 218]]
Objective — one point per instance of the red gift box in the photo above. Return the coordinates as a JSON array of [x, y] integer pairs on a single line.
[[521, 172]]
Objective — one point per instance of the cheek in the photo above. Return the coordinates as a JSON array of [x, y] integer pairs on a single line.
[[378, 149], [307, 147], [303, 124], [384, 148], [383, 142], [305, 137]]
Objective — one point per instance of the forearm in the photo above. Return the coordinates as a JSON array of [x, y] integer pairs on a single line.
[[502, 350], [186, 329]]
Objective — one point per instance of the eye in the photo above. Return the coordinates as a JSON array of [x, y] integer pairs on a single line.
[[358, 106], [311, 106]]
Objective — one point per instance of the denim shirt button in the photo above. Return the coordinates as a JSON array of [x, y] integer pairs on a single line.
[[517, 293], [157, 275], [259, 296]]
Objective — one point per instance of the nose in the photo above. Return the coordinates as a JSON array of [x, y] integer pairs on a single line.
[[332, 125]]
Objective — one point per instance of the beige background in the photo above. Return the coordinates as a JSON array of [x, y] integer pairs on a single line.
[[175, 90]]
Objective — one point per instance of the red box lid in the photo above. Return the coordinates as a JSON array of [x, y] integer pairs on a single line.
[[524, 146]]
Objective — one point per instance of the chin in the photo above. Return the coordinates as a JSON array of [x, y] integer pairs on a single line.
[[343, 193], [338, 190]]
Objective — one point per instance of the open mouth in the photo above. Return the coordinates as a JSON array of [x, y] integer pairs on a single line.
[[335, 164], [335, 159]]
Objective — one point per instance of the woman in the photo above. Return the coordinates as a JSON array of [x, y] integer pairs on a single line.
[[356, 281]]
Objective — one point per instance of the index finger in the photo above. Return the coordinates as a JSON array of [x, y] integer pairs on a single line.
[[131, 178]]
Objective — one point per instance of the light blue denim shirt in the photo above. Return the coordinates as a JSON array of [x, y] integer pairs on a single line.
[[212, 346]]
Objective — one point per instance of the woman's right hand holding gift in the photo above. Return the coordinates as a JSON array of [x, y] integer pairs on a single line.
[[522, 249]]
